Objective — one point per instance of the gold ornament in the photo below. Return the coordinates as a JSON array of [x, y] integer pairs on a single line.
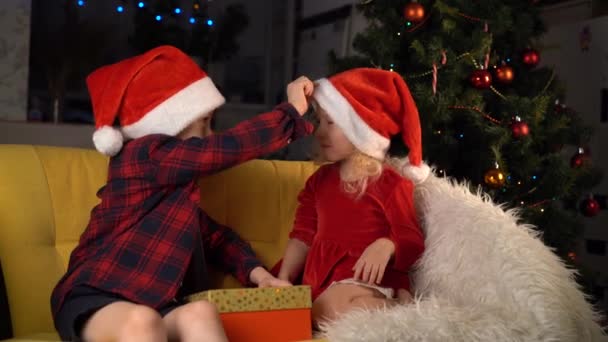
[[495, 178]]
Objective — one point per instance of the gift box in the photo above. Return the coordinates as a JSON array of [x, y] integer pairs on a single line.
[[262, 314]]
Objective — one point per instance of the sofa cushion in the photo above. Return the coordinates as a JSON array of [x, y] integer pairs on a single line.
[[6, 328], [41, 337]]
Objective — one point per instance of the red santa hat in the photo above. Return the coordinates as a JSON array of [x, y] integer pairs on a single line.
[[159, 92], [371, 106]]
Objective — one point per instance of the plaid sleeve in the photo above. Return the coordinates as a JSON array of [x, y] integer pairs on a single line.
[[180, 161], [227, 251]]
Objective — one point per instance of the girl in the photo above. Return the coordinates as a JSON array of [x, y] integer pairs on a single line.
[[356, 235]]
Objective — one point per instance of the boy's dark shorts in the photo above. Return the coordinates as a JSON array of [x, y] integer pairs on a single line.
[[82, 303]]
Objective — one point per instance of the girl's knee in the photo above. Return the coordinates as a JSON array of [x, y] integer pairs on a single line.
[[327, 308], [340, 299]]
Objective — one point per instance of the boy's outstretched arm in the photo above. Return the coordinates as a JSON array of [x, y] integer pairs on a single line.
[[226, 250], [182, 160]]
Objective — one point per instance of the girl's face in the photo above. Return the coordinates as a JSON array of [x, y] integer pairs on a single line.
[[332, 142]]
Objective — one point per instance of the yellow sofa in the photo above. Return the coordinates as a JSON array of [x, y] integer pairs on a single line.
[[46, 194]]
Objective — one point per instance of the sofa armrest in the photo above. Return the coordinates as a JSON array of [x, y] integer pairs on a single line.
[[6, 326]]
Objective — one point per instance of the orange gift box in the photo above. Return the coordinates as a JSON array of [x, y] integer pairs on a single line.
[[263, 314]]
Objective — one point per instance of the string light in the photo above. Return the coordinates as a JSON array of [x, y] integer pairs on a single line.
[[542, 210], [475, 109], [122, 8], [534, 177]]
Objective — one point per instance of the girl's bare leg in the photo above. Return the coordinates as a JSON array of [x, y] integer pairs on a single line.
[[341, 298]]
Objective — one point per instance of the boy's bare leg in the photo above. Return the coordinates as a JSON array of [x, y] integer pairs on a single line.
[[124, 321], [341, 298], [194, 322]]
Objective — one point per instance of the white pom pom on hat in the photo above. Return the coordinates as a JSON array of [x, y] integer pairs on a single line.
[[417, 174], [108, 140]]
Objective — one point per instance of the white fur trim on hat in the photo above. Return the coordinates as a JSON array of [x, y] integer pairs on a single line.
[[356, 130], [108, 140], [417, 174], [173, 115]]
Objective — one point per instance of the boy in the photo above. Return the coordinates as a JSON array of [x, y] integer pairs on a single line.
[[146, 243]]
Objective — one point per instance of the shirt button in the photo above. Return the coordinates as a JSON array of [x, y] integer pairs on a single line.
[[289, 141]]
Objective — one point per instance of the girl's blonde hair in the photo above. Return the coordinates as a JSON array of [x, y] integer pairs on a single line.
[[357, 172]]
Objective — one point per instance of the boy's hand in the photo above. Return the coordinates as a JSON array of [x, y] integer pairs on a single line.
[[263, 278], [297, 93], [371, 265]]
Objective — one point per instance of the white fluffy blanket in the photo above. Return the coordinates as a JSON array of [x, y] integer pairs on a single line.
[[483, 277]]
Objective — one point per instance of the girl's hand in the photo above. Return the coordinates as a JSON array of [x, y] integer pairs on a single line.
[[298, 92], [273, 282], [263, 278], [371, 265]]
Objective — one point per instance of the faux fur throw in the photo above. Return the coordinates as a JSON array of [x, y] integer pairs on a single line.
[[483, 277]]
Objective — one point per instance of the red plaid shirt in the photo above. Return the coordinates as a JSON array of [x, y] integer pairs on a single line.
[[141, 236]]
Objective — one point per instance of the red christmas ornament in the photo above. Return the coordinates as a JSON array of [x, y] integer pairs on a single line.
[[530, 57], [519, 129], [481, 79], [590, 207], [559, 107], [504, 74], [579, 158], [414, 12]]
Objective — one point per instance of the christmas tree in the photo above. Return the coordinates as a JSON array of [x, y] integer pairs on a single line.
[[491, 116]]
